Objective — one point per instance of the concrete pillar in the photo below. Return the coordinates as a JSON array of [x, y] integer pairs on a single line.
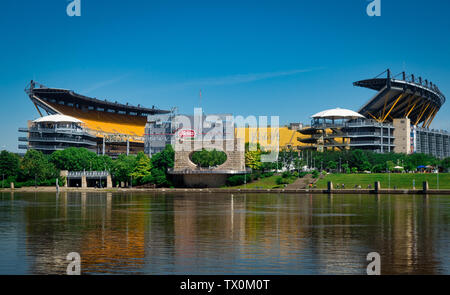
[[330, 186], [12, 185], [425, 186], [108, 181], [103, 150], [83, 181], [377, 186], [64, 174]]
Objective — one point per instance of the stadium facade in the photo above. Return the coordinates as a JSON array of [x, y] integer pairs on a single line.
[[163, 129], [396, 119], [57, 132], [115, 128]]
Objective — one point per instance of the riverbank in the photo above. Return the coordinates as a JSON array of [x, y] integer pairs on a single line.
[[393, 180], [226, 190]]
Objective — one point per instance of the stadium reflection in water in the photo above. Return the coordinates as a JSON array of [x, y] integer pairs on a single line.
[[223, 234]]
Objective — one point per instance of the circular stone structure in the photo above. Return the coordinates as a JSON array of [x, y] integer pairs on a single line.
[[188, 174]]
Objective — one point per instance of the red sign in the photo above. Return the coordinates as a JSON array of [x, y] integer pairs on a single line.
[[188, 133]]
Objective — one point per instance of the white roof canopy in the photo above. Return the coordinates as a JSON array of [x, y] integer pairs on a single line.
[[337, 113], [57, 118]]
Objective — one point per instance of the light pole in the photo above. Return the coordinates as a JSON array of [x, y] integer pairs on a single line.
[[245, 180], [389, 176], [437, 177]]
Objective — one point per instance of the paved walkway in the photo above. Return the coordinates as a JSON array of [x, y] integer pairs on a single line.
[[302, 183]]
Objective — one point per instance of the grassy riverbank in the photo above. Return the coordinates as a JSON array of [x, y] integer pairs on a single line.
[[399, 180], [262, 183]]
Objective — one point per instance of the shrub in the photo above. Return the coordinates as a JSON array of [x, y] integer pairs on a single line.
[[236, 180], [315, 174], [266, 174], [302, 174], [255, 175], [205, 158], [286, 174], [282, 180]]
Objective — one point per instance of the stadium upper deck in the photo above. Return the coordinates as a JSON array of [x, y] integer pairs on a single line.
[[417, 99], [103, 117]]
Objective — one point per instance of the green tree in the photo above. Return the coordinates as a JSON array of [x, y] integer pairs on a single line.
[[205, 158], [122, 167], [253, 160], [445, 164], [9, 164], [160, 163], [77, 159], [36, 165], [346, 168], [366, 166], [141, 171], [358, 159], [332, 165], [390, 166]]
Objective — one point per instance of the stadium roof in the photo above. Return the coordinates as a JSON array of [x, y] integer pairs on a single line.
[[337, 113], [42, 94], [57, 118], [402, 97]]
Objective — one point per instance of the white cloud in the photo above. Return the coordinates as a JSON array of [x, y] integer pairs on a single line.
[[244, 78], [105, 83]]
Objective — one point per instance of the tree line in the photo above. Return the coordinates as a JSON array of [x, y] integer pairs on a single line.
[[348, 161], [36, 168]]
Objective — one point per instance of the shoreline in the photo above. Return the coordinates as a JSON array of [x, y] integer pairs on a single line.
[[225, 190]]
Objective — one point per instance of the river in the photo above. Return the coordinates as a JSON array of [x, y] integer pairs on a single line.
[[146, 233]]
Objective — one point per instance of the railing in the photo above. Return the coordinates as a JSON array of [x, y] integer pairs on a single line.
[[349, 134], [368, 123], [47, 147], [369, 142], [22, 138], [61, 139], [364, 133], [59, 130], [208, 171], [88, 174]]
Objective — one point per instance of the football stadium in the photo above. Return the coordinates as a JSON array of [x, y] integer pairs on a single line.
[[407, 97], [104, 126], [396, 119]]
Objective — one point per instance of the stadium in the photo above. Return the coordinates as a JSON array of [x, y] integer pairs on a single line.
[[116, 128], [396, 119], [408, 97]]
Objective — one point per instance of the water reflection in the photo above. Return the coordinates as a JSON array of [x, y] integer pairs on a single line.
[[216, 234]]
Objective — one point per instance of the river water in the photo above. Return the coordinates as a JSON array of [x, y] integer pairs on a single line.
[[145, 233]]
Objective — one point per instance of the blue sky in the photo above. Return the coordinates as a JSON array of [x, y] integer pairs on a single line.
[[286, 58]]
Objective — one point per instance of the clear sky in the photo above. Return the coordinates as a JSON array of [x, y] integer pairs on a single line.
[[286, 58]]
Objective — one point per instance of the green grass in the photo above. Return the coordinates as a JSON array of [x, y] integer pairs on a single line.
[[263, 183], [401, 181]]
